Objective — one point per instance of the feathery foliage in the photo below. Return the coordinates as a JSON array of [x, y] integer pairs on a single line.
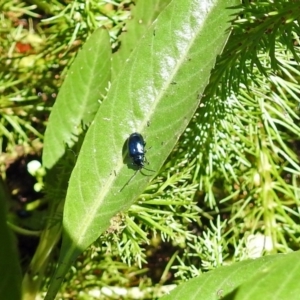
[[229, 190]]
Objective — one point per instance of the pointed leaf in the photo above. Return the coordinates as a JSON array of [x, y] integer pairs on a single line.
[[156, 94], [78, 98]]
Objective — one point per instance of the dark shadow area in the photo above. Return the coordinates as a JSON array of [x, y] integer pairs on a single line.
[[230, 296]]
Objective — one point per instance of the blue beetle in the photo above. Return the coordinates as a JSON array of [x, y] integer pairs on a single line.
[[136, 151]]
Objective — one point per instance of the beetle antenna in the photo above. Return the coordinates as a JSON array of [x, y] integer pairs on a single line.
[[134, 176], [128, 181], [146, 170]]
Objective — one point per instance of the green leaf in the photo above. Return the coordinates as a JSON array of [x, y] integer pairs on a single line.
[[270, 277], [78, 98], [10, 283], [156, 94], [142, 16]]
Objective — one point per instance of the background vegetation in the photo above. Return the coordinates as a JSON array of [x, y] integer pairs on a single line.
[[230, 189]]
